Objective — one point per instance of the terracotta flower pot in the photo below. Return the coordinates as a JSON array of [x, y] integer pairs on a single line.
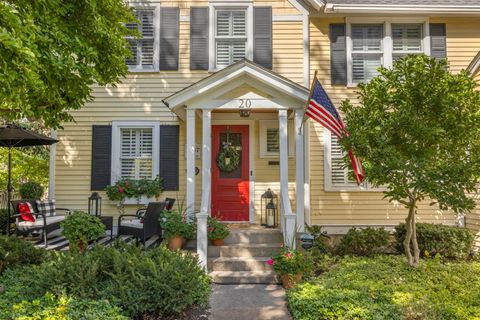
[[289, 281], [175, 243], [218, 242]]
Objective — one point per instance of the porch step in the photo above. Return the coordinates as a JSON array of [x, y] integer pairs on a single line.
[[244, 250], [239, 264], [254, 236], [244, 277]]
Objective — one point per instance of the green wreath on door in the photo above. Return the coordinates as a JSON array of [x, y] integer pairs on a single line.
[[228, 159]]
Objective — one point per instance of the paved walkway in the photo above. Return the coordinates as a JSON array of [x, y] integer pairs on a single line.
[[248, 302]]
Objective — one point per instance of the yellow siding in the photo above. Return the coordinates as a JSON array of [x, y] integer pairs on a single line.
[[368, 208], [139, 97]]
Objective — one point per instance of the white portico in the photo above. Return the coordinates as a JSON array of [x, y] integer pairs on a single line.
[[217, 100]]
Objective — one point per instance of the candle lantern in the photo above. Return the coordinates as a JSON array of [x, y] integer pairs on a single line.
[[95, 204], [269, 209]]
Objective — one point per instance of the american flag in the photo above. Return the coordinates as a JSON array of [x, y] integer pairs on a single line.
[[321, 109]]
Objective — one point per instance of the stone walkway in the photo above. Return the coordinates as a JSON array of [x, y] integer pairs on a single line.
[[248, 302]]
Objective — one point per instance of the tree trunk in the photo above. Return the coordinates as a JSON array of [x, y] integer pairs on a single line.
[[410, 243]]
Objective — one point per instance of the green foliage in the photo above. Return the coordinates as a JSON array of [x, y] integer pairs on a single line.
[[3, 222], [129, 188], [291, 262], [15, 251], [364, 242], [216, 229], [31, 190], [448, 241], [79, 228], [141, 282], [174, 224], [53, 51], [384, 287], [60, 308]]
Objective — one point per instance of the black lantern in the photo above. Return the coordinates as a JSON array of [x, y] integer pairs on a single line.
[[269, 209], [95, 204]]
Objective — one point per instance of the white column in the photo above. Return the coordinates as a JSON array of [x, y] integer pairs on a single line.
[[190, 153], [51, 169], [202, 236], [299, 170]]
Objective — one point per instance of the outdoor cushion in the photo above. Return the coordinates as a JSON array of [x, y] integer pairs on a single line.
[[134, 223], [46, 208], [26, 211], [25, 225]]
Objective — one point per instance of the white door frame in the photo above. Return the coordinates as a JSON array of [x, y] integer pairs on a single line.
[[251, 150]]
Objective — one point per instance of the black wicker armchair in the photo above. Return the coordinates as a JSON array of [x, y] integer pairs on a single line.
[[142, 227]]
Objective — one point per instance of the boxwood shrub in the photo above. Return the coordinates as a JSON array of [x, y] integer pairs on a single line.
[[364, 242], [448, 241], [16, 251]]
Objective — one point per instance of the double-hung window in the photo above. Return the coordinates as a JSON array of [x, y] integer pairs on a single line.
[[144, 50], [372, 43], [230, 36]]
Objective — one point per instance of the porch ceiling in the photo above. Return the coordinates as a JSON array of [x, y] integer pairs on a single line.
[[243, 80]]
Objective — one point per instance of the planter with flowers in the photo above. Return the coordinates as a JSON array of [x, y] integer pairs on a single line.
[[176, 229], [217, 232], [126, 190], [291, 265]]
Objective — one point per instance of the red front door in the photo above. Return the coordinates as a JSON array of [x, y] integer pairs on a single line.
[[230, 187]]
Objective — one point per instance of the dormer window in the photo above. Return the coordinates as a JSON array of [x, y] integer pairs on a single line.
[[230, 36]]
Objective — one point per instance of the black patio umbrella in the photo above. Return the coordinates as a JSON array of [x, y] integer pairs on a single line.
[[14, 136]]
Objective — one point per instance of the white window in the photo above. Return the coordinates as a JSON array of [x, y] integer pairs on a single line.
[[144, 50], [270, 139], [374, 42], [135, 150]]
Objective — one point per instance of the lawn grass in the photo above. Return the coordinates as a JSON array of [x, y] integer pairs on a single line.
[[385, 287]]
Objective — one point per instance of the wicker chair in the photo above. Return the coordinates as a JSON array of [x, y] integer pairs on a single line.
[[144, 227], [43, 223]]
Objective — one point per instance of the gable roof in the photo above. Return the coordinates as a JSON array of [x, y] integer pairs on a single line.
[[474, 66]]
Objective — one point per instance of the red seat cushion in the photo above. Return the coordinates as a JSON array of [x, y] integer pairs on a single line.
[[26, 211]]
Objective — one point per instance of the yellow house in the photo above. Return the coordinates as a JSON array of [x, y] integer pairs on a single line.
[[215, 100]]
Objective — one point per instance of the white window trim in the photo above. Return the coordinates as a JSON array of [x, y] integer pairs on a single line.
[[387, 43], [116, 135], [327, 138], [263, 125], [156, 41], [225, 5]]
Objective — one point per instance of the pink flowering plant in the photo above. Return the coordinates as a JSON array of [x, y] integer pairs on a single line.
[[291, 262]]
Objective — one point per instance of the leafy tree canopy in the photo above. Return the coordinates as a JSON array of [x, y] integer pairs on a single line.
[[52, 51], [416, 129]]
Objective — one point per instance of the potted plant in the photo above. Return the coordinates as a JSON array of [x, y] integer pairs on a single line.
[[31, 190], [176, 229], [217, 232], [291, 265], [79, 228]]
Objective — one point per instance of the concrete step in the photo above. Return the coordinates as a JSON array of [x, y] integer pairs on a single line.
[[244, 277], [244, 250], [239, 264], [255, 236]]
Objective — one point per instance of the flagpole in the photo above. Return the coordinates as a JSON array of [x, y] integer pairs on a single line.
[[308, 100]]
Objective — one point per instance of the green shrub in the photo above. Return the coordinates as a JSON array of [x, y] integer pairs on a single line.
[[79, 228], [15, 251], [217, 230], [364, 242], [448, 241], [174, 224], [385, 287], [141, 282], [3, 222], [60, 308], [31, 190]]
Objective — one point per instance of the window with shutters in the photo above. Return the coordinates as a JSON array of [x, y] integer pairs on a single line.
[[270, 139], [135, 150], [144, 50], [231, 36], [374, 42]]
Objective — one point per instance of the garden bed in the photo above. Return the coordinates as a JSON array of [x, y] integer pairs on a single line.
[[385, 287]]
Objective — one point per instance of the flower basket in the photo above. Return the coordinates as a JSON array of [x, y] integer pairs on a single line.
[[291, 265], [217, 231], [218, 242]]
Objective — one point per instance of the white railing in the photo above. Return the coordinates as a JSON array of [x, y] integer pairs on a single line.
[[202, 237], [288, 219]]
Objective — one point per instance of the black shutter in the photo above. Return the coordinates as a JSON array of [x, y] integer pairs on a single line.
[[169, 24], [262, 42], [169, 156], [438, 41], [338, 54], [199, 26], [101, 156]]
